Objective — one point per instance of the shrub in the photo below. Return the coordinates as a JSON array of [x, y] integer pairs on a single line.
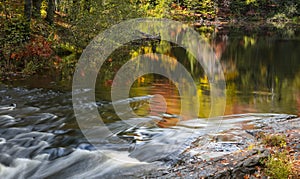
[[34, 56], [274, 140], [279, 166]]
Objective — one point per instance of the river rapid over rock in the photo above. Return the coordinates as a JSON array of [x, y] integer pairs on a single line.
[[40, 138]]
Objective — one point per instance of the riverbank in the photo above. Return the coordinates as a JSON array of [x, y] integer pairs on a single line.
[[250, 156]]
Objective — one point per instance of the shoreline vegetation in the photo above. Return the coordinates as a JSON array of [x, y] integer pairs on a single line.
[[50, 35]]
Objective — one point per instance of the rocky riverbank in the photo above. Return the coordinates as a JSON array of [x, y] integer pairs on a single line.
[[238, 153]]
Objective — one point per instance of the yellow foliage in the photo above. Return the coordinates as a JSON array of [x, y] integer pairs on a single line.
[[249, 41]]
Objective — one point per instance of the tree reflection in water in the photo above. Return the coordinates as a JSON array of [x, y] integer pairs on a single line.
[[262, 73]]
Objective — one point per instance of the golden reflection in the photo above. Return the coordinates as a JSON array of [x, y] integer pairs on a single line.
[[167, 122], [257, 78], [166, 99]]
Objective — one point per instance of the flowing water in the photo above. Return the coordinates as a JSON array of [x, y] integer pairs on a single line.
[[40, 137]]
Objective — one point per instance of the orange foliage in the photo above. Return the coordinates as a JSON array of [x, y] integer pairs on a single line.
[[37, 48], [39, 51]]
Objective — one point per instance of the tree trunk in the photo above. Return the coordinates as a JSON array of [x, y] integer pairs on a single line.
[[57, 5], [36, 12], [50, 11], [27, 10]]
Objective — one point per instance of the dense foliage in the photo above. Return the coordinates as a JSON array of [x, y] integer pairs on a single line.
[[68, 26]]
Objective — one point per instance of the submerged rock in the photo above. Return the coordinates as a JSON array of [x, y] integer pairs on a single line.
[[5, 159]]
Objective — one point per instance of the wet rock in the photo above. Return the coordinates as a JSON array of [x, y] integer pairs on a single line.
[[58, 152], [208, 160], [86, 146], [5, 159]]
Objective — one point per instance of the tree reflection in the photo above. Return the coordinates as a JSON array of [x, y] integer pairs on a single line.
[[262, 73]]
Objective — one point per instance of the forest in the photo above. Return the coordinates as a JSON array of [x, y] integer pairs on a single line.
[[50, 34]]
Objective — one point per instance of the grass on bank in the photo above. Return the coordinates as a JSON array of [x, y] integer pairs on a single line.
[[278, 165]]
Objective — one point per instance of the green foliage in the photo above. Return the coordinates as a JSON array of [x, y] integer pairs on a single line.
[[284, 15], [278, 20], [279, 166], [237, 7], [85, 23], [154, 8], [206, 8], [15, 31], [264, 8], [162, 9], [291, 9], [76, 23]]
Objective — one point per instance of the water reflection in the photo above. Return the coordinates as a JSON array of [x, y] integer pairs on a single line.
[[166, 100], [261, 67], [262, 75]]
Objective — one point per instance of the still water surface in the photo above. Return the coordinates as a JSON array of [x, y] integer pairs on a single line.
[[40, 137]]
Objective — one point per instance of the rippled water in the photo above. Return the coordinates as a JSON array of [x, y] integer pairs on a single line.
[[40, 138]]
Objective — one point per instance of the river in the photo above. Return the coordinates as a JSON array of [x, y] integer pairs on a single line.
[[40, 136]]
